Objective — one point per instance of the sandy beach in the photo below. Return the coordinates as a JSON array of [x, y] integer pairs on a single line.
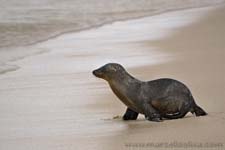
[[51, 101]]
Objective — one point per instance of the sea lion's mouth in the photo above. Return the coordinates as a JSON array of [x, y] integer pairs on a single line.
[[98, 73]]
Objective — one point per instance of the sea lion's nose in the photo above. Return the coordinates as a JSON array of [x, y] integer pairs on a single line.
[[94, 72], [98, 73]]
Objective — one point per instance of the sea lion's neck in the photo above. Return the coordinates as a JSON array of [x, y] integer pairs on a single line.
[[124, 80], [125, 86]]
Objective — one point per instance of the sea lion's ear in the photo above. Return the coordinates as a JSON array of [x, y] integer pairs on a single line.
[[114, 69]]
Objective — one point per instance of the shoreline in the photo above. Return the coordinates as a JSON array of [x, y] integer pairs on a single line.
[[8, 60], [144, 14]]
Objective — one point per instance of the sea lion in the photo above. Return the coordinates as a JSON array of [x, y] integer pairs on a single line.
[[157, 99]]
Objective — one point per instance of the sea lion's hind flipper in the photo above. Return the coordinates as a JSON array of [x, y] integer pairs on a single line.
[[199, 111], [170, 109], [174, 116], [196, 109], [163, 106], [151, 113], [130, 115]]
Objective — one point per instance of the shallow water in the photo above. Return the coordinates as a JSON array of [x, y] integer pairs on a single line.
[[29, 21]]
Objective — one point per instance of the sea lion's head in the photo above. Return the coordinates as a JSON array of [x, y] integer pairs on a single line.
[[109, 71]]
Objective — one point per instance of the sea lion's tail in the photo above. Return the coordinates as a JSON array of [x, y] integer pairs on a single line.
[[197, 110]]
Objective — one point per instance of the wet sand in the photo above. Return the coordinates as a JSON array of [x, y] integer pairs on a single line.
[[54, 102]]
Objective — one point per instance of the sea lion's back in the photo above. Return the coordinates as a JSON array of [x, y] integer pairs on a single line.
[[167, 86]]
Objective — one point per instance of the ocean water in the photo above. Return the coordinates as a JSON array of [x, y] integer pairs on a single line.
[[26, 22]]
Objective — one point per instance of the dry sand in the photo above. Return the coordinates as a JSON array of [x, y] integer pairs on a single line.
[[53, 101]]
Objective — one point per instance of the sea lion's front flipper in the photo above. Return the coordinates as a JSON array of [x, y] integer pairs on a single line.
[[130, 115]]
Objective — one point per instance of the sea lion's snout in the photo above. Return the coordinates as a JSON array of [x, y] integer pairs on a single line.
[[108, 71], [98, 73]]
